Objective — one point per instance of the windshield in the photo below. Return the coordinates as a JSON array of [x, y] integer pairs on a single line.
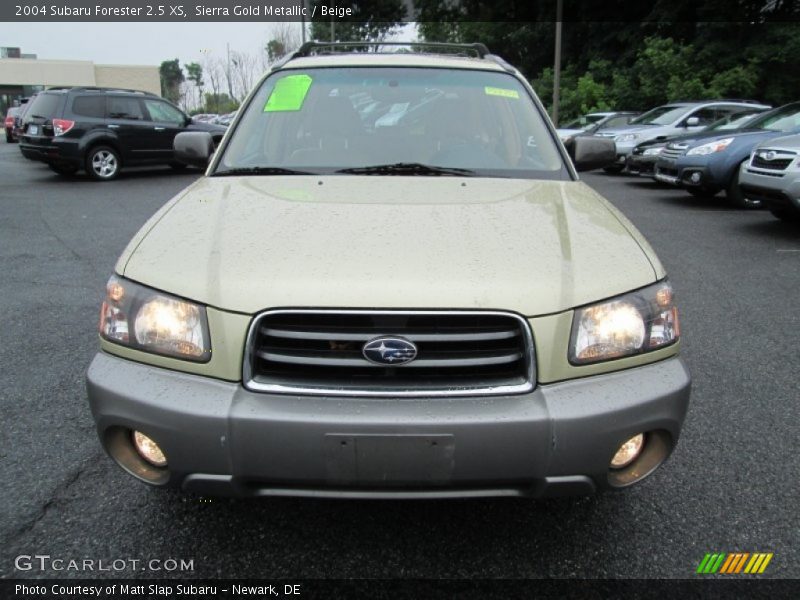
[[734, 121], [44, 105], [785, 118], [344, 119], [663, 115], [584, 121]]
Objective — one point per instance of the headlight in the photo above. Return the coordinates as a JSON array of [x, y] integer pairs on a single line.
[[710, 147], [138, 317], [627, 137], [653, 151], [631, 324]]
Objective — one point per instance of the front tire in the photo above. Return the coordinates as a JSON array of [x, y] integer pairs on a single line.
[[178, 166], [102, 163], [735, 195], [614, 169]]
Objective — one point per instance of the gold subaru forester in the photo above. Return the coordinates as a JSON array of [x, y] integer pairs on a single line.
[[390, 282]]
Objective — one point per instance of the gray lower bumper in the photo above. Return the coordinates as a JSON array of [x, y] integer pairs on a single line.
[[222, 439]]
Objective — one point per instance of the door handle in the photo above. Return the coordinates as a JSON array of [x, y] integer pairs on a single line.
[[112, 126], [159, 128]]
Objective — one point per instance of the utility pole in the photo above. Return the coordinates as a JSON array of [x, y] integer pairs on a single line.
[[557, 66], [303, 22], [333, 30], [230, 82]]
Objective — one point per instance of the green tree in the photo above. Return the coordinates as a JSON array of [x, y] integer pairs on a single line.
[[372, 21], [171, 79], [194, 73], [220, 103]]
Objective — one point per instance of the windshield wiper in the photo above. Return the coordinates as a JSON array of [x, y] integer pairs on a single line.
[[259, 171], [406, 169]]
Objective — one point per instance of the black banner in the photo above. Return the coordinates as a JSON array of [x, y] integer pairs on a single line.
[[125, 589]]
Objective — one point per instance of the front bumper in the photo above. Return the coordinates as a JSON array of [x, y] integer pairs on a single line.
[[777, 192], [639, 164], [221, 439]]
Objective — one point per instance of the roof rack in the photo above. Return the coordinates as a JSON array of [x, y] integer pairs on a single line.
[[92, 88], [710, 100], [478, 50]]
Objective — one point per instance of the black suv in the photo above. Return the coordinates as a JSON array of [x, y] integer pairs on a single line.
[[101, 130]]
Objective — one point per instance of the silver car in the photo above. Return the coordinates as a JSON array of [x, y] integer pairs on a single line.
[[676, 118], [772, 175]]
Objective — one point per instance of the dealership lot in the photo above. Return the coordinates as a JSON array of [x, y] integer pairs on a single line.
[[731, 485]]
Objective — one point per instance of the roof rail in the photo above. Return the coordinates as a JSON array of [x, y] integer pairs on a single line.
[[92, 88], [314, 47], [709, 100]]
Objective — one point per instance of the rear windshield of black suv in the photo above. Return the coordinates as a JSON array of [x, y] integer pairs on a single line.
[[45, 105]]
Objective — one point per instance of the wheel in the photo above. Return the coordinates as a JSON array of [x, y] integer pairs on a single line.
[[734, 193], [178, 166], [786, 214], [66, 170], [613, 169], [702, 192], [102, 163]]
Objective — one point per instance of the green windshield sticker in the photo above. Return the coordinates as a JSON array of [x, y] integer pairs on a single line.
[[289, 94], [503, 93]]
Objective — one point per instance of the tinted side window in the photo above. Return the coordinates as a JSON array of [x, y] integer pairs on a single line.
[[706, 116], [90, 106], [124, 108], [163, 112]]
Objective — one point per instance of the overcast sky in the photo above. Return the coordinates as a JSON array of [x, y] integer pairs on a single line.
[[137, 43]]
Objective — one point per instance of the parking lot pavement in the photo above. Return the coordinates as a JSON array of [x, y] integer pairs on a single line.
[[730, 486]]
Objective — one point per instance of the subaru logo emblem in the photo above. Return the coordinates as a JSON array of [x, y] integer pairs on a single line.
[[389, 351], [770, 155]]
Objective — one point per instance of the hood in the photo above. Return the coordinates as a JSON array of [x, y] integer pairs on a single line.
[[787, 142], [563, 133], [741, 137], [690, 138], [250, 243]]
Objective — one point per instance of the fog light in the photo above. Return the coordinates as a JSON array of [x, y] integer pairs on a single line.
[[628, 452], [695, 177], [149, 450]]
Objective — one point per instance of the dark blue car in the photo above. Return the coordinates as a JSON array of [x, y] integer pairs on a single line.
[[708, 164]]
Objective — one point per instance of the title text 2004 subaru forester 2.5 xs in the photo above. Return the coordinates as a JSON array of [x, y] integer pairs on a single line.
[[390, 283]]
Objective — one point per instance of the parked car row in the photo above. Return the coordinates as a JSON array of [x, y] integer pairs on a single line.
[[736, 146], [214, 118], [592, 123], [102, 130], [13, 120]]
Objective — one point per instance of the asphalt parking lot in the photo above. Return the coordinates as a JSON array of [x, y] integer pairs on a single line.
[[731, 485]]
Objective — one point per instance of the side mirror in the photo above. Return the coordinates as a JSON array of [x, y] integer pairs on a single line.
[[589, 152], [692, 122], [193, 148]]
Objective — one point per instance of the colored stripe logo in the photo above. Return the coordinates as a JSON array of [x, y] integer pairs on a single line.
[[732, 563]]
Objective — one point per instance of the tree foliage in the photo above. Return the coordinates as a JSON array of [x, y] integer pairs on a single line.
[[666, 50], [373, 21], [171, 79]]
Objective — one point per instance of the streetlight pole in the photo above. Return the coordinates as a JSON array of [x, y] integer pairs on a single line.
[[557, 66]]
